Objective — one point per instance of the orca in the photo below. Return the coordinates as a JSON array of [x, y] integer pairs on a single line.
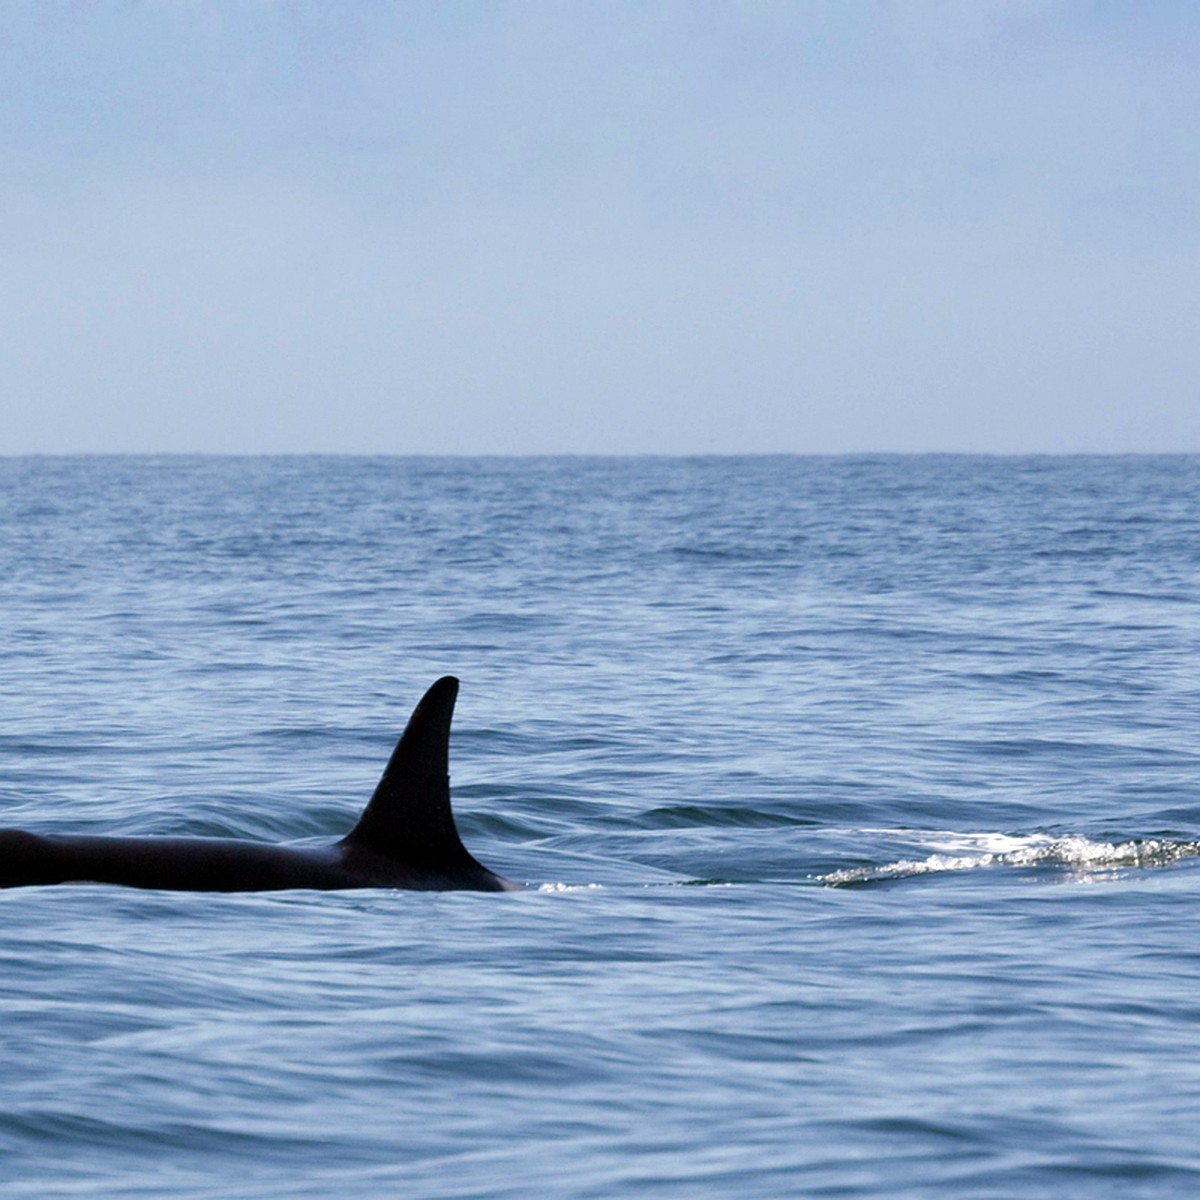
[[405, 838]]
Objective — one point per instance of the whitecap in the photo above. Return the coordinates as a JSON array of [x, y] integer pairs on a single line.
[[1080, 857]]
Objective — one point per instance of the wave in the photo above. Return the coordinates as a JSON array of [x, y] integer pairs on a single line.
[[1079, 857]]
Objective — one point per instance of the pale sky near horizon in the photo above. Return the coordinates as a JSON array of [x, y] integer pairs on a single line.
[[811, 227]]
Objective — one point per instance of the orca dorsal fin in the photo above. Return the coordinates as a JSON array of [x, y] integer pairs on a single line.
[[408, 818]]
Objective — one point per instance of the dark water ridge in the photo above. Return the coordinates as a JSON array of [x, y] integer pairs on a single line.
[[859, 799]]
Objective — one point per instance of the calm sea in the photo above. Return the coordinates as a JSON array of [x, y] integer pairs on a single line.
[[858, 800]]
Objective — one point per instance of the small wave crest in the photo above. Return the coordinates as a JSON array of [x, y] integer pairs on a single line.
[[1079, 857]]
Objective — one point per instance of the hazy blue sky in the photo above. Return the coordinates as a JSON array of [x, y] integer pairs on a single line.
[[600, 227]]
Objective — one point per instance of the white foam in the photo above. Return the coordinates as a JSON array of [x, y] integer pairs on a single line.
[[1080, 857]]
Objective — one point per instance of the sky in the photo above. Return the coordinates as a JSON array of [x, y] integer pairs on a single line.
[[599, 226]]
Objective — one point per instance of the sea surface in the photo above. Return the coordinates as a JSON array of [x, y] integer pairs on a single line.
[[857, 799]]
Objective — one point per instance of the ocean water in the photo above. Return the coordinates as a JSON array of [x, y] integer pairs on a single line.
[[858, 801]]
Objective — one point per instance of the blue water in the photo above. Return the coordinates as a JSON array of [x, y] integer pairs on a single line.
[[859, 801]]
